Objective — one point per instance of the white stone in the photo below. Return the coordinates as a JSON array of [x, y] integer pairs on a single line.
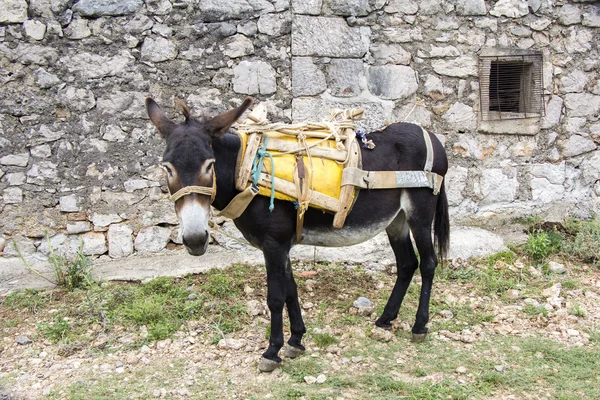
[[13, 11], [471, 7], [120, 242], [392, 81], [574, 81], [466, 242], [345, 76], [232, 344], [15, 178], [78, 29], [219, 10], [162, 30], [41, 172], [553, 112], [409, 7], [152, 239], [415, 114], [582, 104], [249, 28], [74, 227], [385, 53], [34, 29], [12, 195], [78, 99], [19, 160], [591, 169], [579, 41], [103, 220], [591, 16], [461, 117], [496, 187], [311, 7], [510, 8], [576, 145], [113, 133], [275, 24], [460, 67], [94, 8], [456, 183], [91, 66], [307, 78], [569, 14], [158, 49], [93, 243], [238, 46], [69, 203], [328, 37], [44, 79], [544, 192], [254, 77]]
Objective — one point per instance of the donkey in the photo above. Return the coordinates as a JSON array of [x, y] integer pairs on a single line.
[[200, 151]]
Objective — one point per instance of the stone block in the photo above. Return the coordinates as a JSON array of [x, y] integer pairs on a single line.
[[43, 172], [69, 203], [222, 10], [158, 49], [18, 160], [95, 8], [275, 24], [310, 7], [460, 67], [344, 76], [238, 46], [152, 239], [307, 78], [15, 178], [34, 29], [120, 241], [576, 145], [573, 82], [456, 183], [385, 53], [347, 7], [254, 77], [78, 29], [591, 16], [543, 191], [24, 245], [408, 7], [90, 66], [328, 37], [553, 112], [93, 244], [12, 195], [471, 7], [510, 9], [582, 105], [77, 99], [569, 14], [13, 11], [496, 187], [392, 81], [415, 114], [591, 169], [74, 227], [461, 117], [101, 221]]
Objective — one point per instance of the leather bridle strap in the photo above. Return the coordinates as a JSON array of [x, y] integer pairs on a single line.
[[205, 190]]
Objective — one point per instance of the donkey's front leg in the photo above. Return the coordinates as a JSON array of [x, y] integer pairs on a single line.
[[295, 347], [276, 262]]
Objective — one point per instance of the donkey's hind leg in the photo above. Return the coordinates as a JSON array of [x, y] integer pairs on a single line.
[[406, 263], [420, 220], [295, 347]]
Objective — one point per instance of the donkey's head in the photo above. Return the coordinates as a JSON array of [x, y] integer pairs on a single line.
[[189, 163]]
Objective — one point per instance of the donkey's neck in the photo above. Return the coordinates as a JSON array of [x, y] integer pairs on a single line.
[[226, 153]]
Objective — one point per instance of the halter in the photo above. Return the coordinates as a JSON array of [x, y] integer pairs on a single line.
[[204, 190]]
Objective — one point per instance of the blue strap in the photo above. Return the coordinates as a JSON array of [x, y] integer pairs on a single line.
[[257, 168]]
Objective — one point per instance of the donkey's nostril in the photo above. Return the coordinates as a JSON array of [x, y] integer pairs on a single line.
[[194, 241]]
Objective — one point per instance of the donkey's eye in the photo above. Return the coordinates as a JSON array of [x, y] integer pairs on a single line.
[[208, 166], [168, 169]]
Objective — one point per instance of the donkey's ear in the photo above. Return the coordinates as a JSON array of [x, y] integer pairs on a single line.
[[218, 126], [158, 117]]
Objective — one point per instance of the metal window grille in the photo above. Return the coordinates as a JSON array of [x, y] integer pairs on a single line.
[[511, 86]]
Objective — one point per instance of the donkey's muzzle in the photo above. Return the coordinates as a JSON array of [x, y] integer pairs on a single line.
[[196, 244]]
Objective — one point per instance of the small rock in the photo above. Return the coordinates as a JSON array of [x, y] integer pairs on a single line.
[[362, 302], [513, 294], [557, 267], [499, 368], [573, 332], [447, 314], [254, 308], [382, 335], [234, 344], [248, 290], [308, 305], [310, 379], [461, 370], [23, 340], [534, 271], [192, 296], [321, 378]]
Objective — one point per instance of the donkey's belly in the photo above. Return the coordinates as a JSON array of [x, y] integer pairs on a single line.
[[346, 236]]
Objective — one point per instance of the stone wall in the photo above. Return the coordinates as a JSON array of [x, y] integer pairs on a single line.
[[79, 160]]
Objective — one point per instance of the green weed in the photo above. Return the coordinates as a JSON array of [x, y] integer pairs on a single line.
[[323, 340], [538, 245], [532, 309], [71, 273], [586, 243], [56, 330], [29, 299], [506, 256]]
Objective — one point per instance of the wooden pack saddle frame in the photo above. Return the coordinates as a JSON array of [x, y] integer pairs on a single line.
[[346, 152]]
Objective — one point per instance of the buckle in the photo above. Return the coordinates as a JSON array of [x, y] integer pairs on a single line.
[[254, 188]]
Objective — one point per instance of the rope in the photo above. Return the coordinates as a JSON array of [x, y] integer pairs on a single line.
[[257, 169]]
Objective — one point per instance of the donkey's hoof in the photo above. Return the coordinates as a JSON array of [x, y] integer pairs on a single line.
[[383, 325], [418, 337], [266, 365], [293, 352]]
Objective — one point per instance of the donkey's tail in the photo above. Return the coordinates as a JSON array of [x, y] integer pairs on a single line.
[[441, 224]]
